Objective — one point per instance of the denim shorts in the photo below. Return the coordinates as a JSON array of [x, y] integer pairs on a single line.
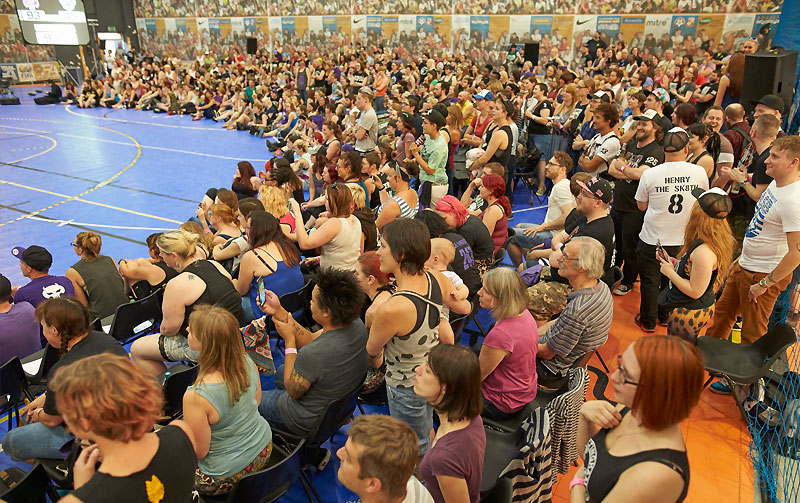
[[176, 349], [413, 410]]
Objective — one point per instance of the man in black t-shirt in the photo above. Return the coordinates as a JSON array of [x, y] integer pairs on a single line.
[[643, 152], [590, 218], [705, 95]]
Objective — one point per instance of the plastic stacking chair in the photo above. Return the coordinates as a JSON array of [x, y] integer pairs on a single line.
[[13, 389], [744, 363], [176, 380], [136, 319], [35, 487]]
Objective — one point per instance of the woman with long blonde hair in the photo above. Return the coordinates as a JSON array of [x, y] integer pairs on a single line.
[[275, 201], [701, 269], [221, 408]]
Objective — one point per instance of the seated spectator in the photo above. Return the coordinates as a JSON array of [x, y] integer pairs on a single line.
[[245, 182], [657, 383], [508, 354], [95, 277], [464, 265], [282, 176], [19, 331], [275, 201], [405, 327], [471, 228], [198, 282], [204, 248], [366, 217], [471, 198], [403, 204], [339, 236], [234, 248], [272, 262], [379, 459], [375, 283], [147, 275], [450, 382], [590, 219], [224, 220], [442, 255], [702, 267], [321, 367], [584, 324], [35, 262], [498, 209], [66, 326], [559, 204], [221, 408], [112, 405], [349, 168]]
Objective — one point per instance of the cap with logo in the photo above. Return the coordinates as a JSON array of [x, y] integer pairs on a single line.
[[661, 94], [714, 202], [484, 95], [675, 140], [318, 149], [599, 188], [36, 257], [772, 101], [648, 115], [435, 118], [602, 96]]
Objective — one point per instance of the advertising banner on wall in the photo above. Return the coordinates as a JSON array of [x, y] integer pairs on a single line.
[[161, 25], [498, 28], [764, 19], [561, 32], [682, 27], [657, 25], [737, 28], [632, 28], [170, 24], [150, 24], [389, 26], [609, 26], [10, 70], [225, 26], [479, 25], [287, 25], [544, 24], [443, 26], [709, 30], [213, 24], [425, 24]]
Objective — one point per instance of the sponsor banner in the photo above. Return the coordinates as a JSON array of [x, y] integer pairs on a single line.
[[561, 33], [737, 28], [343, 25], [631, 28], [25, 72], [389, 26], [479, 25], [249, 24], [764, 19], [424, 24], [287, 25], [161, 25], [406, 23], [180, 24], [540, 25], [10, 71], [443, 26], [709, 30], [171, 24], [498, 28], [519, 25], [237, 24], [150, 24], [583, 28], [609, 26], [300, 26], [46, 71], [683, 27], [140, 23], [374, 26], [213, 24], [657, 25]]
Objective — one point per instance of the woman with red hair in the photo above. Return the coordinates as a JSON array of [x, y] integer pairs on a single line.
[[657, 383], [471, 228], [498, 209]]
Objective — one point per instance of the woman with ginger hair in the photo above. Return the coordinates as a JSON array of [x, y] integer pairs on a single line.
[[109, 402]]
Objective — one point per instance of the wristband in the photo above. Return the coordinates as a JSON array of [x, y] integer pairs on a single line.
[[577, 482], [622, 168], [290, 351]]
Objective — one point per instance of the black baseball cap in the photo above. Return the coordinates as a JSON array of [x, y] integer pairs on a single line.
[[599, 188], [36, 257], [602, 96], [435, 118], [772, 101], [676, 140], [714, 202]]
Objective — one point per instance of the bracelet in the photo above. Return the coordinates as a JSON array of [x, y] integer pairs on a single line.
[[290, 351], [39, 413], [577, 482]]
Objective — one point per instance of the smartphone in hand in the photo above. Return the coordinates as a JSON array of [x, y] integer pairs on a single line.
[[262, 292], [660, 252]]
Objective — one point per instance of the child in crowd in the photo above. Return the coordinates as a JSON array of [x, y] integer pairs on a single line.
[[442, 254]]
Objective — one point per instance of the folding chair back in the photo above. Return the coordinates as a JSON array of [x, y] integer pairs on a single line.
[[270, 484], [175, 385], [14, 387], [136, 319], [34, 488]]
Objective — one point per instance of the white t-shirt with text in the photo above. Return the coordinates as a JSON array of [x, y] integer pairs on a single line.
[[777, 212], [606, 146], [667, 190]]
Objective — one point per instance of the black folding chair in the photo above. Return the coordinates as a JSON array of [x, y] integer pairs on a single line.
[[13, 389], [34, 488], [176, 380], [136, 319], [47, 358]]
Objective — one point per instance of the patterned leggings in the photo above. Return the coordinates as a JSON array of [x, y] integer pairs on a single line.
[[688, 323], [211, 486]]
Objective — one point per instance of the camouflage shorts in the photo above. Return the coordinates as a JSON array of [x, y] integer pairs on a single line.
[[547, 298]]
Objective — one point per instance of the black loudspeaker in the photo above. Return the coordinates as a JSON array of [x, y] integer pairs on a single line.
[[532, 53], [252, 45], [768, 73]]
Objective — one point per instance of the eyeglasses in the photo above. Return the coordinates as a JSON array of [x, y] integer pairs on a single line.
[[556, 165], [75, 245], [624, 373]]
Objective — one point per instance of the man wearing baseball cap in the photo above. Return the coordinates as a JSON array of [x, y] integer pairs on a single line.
[[35, 262], [665, 195], [19, 330], [769, 104]]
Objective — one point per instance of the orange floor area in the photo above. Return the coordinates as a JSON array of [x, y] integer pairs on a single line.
[[716, 436]]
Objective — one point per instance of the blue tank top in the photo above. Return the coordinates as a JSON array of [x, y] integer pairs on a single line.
[[283, 280]]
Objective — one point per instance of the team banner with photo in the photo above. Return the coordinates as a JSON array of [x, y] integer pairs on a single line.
[[161, 25], [150, 24], [711, 27], [632, 28], [539, 26], [610, 25], [737, 28], [443, 27], [683, 27], [498, 28], [170, 25], [10, 71], [657, 25], [763, 19], [479, 26]]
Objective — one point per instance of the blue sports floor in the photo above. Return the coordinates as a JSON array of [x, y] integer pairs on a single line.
[[124, 174]]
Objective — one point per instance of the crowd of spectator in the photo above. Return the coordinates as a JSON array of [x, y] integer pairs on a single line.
[[410, 169]]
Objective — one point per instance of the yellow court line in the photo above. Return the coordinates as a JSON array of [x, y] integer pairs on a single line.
[[77, 198], [55, 143], [90, 189]]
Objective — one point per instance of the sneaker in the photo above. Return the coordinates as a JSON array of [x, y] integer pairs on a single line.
[[541, 191], [642, 327], [720, 388], [622, 290]]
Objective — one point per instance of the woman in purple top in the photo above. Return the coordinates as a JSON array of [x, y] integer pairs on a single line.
[[508, 356], [450, 381]]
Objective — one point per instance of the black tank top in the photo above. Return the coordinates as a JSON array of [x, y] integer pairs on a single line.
[[170, 473], [602, 469], [219, 292], [673, 297], [501, 156]]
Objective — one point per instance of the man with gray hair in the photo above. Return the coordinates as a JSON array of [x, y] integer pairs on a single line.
[[584, 324]]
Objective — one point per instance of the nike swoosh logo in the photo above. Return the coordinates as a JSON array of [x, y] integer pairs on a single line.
[[582, 22]]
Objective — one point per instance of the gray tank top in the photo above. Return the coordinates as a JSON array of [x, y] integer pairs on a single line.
[[103, 285]]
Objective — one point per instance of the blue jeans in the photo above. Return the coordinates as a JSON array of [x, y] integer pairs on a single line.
[[526, 242], [36, 440], [268, 408], [380, 103], [413, 410]]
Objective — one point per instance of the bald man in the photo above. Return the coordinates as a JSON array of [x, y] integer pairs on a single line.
[[738, 132]]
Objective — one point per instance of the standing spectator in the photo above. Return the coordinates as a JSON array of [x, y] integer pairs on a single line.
[[771, 248], [655, 101], [19, 332], [366, 128], [605, 145], [378, 461], [432, 160], [537, 115], [664, 194], [738, 130], [593, 44], [95, 277], [35, 262], [730, 84]]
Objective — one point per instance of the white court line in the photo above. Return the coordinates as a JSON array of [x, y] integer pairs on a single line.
[[132, 144], [67, 108], [51, 147], [105, 226], [529, 209]]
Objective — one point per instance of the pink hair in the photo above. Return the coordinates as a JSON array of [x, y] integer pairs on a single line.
[[449, 204]]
